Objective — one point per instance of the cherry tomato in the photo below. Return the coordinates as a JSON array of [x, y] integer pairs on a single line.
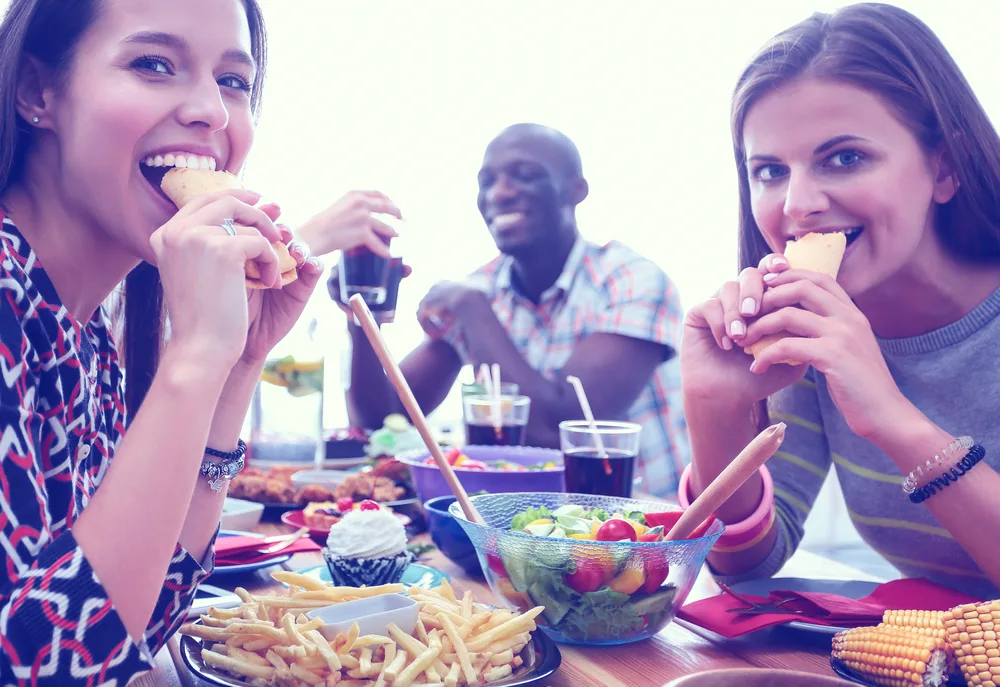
[[470, 464], [345, 505], [588, 577], [452, 455], [616, 530], [656, 574], [369, 505]]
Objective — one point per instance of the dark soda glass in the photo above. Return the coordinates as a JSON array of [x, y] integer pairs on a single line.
[[488, 435], [588, 473], [387, 308], [363, 272]]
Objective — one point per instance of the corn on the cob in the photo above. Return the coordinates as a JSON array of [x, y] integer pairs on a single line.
[[972, 631], [929, 623], [894, 658]]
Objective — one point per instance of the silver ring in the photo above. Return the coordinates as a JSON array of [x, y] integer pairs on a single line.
[[227, 226]]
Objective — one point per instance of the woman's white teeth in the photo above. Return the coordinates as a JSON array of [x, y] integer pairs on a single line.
[[181, 160]]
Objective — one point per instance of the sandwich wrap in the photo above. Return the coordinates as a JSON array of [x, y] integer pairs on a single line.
[[814, 252], [182, 185]]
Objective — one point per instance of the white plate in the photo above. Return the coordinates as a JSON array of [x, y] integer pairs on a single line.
[[851, 589], [239, 514]]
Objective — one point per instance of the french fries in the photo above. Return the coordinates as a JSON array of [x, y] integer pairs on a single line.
[[270, 642]]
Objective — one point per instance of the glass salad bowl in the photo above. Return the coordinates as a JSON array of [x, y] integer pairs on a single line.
[[597, 585]]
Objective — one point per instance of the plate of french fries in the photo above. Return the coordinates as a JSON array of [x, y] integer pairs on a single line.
[[269, 641]]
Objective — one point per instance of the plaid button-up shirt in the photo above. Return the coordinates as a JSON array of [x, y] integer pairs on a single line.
[[603, 289]]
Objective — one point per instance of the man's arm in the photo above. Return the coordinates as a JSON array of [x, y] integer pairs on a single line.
[[430, 369], [613, 369]]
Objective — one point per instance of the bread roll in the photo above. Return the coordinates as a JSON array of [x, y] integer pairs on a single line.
[[821, 253], [182, 185]]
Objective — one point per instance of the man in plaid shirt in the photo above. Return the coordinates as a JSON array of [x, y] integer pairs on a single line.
[[550, 305]]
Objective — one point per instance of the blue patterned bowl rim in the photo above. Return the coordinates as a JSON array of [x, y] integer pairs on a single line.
[[715, 531]]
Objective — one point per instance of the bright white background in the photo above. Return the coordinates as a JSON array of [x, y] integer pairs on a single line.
[[404, 96]]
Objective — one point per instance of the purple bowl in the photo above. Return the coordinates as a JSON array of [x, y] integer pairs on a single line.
[[429, 482]]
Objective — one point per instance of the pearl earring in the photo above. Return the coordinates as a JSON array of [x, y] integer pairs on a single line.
[[35, 119]]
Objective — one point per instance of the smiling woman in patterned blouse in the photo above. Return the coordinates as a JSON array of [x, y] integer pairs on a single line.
[[104, 534]]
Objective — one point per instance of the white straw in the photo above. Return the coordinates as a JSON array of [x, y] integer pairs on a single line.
[[495, 408], [581, 396]]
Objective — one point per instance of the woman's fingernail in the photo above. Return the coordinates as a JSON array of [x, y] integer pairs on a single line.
[[753, 366], [737, 329], [748, 307], [770, 276], [727, 343], [316, 262], [778, 261]]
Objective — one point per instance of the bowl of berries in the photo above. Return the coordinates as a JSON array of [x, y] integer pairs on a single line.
[[319, 517]]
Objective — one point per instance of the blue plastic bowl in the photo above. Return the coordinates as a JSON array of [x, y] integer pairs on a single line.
[[525, 571], [449, 536]]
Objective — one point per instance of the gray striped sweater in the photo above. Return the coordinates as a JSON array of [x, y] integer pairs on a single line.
[[949, 374]]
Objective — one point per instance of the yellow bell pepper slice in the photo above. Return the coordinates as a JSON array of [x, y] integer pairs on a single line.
[[628, 580]]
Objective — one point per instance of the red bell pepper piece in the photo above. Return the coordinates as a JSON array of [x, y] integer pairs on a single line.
[[666, 519], [701, 529], [656, 574], [653, 534], [496, 565]]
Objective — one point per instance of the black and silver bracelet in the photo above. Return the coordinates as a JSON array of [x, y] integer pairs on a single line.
[[969, 461], [232, 464]]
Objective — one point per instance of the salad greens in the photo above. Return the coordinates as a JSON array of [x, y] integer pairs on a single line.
[[522, 519], [591, 593], [591, 615]]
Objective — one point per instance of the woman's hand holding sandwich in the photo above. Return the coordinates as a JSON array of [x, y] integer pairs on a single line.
[[716, 370], [203, 271]]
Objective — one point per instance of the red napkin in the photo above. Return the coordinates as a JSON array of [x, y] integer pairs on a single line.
[[823, 609], [227, 550]]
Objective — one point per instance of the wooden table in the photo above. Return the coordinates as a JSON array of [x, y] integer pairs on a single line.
[[676, 651]]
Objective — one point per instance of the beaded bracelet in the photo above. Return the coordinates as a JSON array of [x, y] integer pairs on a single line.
[[959, 447], [219, 473], [969, 461]]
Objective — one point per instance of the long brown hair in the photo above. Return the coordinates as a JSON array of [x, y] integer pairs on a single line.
[[891, 53], [49, 31]]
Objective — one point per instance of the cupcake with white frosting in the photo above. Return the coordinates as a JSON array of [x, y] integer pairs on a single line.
[[367, 547]]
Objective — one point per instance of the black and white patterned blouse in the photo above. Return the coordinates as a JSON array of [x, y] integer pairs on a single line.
[[62, 415]]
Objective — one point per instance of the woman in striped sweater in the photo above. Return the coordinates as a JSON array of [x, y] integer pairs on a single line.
[[859, 122]]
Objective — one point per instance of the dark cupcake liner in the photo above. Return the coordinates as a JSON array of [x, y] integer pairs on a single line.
[[354, 572]]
